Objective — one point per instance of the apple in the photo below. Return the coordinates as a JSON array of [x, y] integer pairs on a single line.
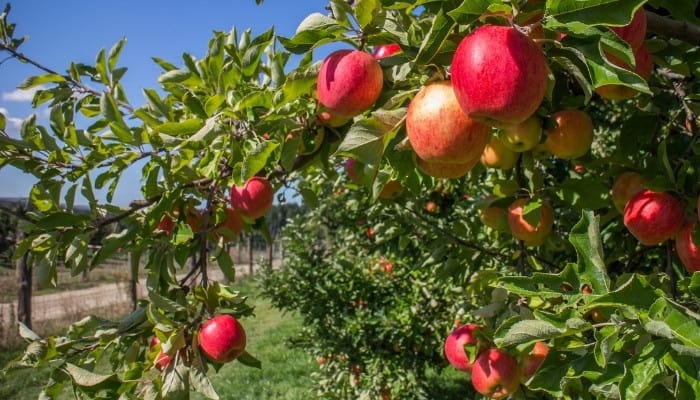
[[162, 359], [653, 217], [495, 218], [626, 185], [523, 136], [495, 374], [193, 217], [166, 224], [254, 198], [579, 168], [531, 361], [331, 119], [385, 50], [463, 336], [353, 170], [222, 338], [634, 32], [349, 82], [439, 131], [687, 251], [499, 75], [230, 227], [643, 67], [445, 170], [497, 155], [369, 232], [521, 228], [391, 190], [573, 136], [431, 207]]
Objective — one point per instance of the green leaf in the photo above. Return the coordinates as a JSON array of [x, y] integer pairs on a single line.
[[366, 141], [3, 122], [605, 339], [257, 159], [433, 41], [584, 194], [593, 12], [176, 382], [34, 81], [201, 384], [165, 303], [155, 102], [182, 128], [62, 219], [366, 11], [225, 264], [585, 237], [114, 54], [26, 333], [526, 331], [247, 359], [174, 76], [83, 377], [687, 369], [643, 371], [469, 11], [683, 324]]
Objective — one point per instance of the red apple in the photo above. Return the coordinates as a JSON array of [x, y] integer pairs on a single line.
[[439, 131], [523, 230], [445, 170], [230, 227], [349, 82], [687, 251], [162, 359], [431, 207], [625, 187], [495, 374], [386, 50], [254, 198], [634, 32], [573, 136], [499, 75], [353, 169], [643, 67], [222, 338], [531, 361], [457, 340], [166, 224], [653, 217]]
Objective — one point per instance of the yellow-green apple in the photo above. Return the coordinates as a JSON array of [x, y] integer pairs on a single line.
[[653, 217], [230, 227], [495, 374], [495, 218], [523, 230], [497, 155], [162, 359], [254, 198], [634, 32], [349, 82], [530, 362], [391, 190], [499, 75], [459, 340], [222, 338], [523, 136], [687, 251], [439, 131], [626, 185], [643, 67], [573, 135], [445, 170], [385, 50]]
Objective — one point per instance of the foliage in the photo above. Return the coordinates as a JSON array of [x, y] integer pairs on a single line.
[[244, 110]]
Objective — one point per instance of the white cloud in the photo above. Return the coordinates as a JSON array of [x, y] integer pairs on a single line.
[[12, 123], [20, 94]]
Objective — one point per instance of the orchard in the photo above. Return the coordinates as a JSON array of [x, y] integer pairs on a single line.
[[506, 188]]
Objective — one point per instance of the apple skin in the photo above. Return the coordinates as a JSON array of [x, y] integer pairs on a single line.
[[495, 374], [626, 185], [523, 136], [497, 155], [349, 82], [352, 170], [653, 217], [234, 224], [166, 224], [511, 70], [331, 119], [254, 198], [445, 170], [439, 131], [495, 218], [687, 251], [386, 50], [464, 335], [162, 359], [521, 229], [391, 190], [222, 338], [643, 67], [531, 361], [634, 32], [573, 136]]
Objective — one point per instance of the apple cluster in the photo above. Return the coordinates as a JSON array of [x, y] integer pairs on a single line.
[[494, 372]]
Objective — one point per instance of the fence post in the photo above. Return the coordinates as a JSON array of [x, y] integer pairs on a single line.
[[24, 285]]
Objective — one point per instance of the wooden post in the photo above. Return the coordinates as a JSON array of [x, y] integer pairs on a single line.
[[270, 252], [250, 254], [24, 285], [133, 280]]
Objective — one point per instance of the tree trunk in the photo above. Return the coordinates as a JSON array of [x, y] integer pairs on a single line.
[[270, 252], [24, 285], [133, 281]]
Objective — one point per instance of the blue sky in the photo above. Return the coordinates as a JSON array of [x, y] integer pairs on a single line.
[[74, 30]]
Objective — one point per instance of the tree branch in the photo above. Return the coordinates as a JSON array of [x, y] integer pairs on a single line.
[[670, 28]]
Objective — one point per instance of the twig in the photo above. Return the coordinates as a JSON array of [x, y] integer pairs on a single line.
[[673, 29]]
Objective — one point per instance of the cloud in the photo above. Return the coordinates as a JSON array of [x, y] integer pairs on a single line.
[[12, 123], [21, 95]]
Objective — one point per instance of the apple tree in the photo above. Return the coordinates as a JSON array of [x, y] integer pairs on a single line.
[[570, 126]]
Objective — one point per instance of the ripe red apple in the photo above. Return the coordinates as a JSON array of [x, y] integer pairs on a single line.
[[254, 198], [523, 136], [222, 338], [687, 251], [349, 82], [495, 218], [445, 170], [230, 227], [162, 359], [457, 340], [625, 187], [643, 67], [499, 75], [573, 136], [521, 229], [634, 32], [495, 374], [497, 155], [431, 207], [531, 361], [386, 50], [439, 131], [653, 217]]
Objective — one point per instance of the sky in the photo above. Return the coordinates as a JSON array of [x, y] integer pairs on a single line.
[[75, 30]]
